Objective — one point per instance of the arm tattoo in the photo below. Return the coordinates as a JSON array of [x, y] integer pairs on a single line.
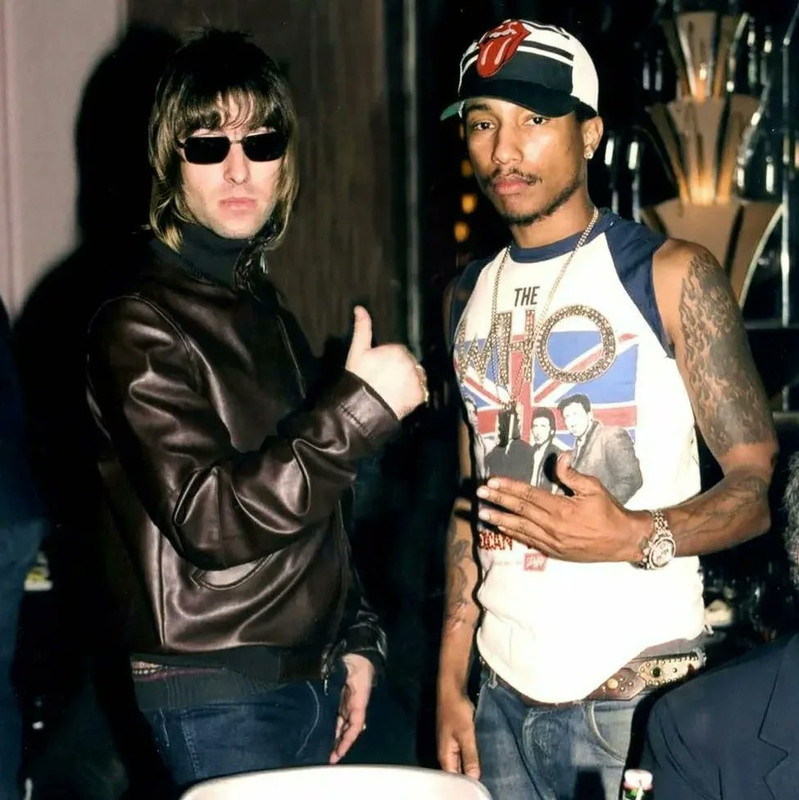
[[721, 511], [728, 397], [459, 587]]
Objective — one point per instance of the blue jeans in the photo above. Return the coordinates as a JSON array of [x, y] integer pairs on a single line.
[[564, 752], [291, 726], [19, 543]]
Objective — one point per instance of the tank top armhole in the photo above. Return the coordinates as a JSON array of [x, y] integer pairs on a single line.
[[632, 247], [462, 291]]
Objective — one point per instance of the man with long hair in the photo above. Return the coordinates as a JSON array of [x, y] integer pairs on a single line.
[[224, 464]]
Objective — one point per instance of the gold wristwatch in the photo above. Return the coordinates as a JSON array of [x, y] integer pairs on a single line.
[[660, 547]]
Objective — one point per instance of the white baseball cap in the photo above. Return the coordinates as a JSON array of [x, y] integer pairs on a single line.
[[541, 67]]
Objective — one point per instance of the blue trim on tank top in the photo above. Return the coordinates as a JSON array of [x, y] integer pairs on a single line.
[[631, 245], [526, 255]]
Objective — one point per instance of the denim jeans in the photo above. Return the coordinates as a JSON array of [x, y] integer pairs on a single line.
[[19, 543], [293, 725], [562, 752]]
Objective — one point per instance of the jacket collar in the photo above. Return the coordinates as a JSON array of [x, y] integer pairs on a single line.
[[235, 263], [780, 728]]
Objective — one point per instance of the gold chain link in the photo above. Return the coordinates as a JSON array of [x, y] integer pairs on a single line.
[[513, 389]]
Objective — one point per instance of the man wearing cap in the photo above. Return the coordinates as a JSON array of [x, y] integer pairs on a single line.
[[225, 465], [582, 605]]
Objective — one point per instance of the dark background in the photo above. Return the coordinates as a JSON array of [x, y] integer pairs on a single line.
[[382, 188]]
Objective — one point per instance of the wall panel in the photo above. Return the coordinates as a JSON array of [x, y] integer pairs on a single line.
[[47, 52]]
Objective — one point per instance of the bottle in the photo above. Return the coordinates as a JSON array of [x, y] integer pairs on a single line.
[[637, 785]]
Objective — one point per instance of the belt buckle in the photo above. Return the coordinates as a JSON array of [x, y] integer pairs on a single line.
[[660, 670], [140, 668]]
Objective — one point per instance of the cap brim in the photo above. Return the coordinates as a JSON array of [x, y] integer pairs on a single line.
[[547, 102], [452, 109]]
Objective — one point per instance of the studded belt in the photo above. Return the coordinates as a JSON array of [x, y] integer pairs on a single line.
[[636, 676]]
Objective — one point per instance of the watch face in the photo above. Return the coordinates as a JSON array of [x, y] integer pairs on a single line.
[[662, 552]]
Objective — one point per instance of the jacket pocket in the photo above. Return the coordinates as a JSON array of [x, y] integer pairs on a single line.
[[230, 577]]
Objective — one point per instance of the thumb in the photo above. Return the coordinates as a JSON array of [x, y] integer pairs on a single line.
[[570, 477], [361, 333]]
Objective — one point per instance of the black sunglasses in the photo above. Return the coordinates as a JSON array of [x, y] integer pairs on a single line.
[[268, 146]]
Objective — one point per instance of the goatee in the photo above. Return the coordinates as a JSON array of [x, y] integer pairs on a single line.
[[554, 204]]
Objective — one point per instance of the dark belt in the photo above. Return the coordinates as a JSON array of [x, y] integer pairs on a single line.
[[636, 676], [276, 665]]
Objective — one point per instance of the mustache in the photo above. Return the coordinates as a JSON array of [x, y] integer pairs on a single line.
[[499, 174]]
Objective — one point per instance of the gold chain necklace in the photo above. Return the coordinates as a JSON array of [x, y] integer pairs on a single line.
[[496, 332]]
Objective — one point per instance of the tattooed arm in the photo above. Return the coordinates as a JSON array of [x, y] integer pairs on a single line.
[[702, 318], [457, 748]]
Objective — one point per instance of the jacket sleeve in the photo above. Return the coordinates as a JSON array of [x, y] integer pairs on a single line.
[[219, 507], [363, 634]]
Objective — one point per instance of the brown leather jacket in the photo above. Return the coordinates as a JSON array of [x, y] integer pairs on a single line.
[[223, 482]]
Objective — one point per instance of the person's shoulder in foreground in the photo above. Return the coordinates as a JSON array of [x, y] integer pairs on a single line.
[[731, 733]]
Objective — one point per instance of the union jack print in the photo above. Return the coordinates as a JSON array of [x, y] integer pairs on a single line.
[[612, 394]]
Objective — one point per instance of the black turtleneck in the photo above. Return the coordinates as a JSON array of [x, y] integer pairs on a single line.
[[205, 252], [211, 257]]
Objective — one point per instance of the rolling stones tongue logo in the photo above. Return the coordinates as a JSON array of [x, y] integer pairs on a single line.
[[498, 46]]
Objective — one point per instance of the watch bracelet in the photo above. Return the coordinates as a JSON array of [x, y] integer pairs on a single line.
[[660, 531]]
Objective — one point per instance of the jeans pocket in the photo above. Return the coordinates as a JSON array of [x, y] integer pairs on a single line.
[[610, 724]]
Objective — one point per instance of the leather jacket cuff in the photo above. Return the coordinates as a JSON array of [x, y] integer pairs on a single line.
[[368, 640], [364, 406]]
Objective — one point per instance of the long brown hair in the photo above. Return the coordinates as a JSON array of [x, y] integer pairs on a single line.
[[219, 70]]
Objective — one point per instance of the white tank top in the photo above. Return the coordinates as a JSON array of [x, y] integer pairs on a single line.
[[554, 629]]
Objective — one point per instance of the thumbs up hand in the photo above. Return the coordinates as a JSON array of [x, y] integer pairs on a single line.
[[390, 369], [361, 337]]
